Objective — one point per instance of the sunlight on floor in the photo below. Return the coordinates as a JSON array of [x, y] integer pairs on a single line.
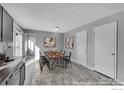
[[30, 61]]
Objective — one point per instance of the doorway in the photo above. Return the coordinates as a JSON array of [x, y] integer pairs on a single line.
[[105, 49], [17, 43], [30, 45]]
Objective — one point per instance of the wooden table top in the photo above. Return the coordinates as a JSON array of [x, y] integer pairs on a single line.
[[54, 54]]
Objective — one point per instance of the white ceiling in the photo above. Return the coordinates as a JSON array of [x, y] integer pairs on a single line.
[[46, 16]]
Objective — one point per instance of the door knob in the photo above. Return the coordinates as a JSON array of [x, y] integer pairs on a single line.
[[113, 54]]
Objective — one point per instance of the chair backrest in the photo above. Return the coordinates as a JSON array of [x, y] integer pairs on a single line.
[[70, 54], [42, 58], [64, 52], [40, 54]]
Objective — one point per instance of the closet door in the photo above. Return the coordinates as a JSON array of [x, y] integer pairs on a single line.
[[105, 49]]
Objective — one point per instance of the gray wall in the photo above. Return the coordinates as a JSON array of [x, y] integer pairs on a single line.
[[89, 27], [40, 39], [70, 49]]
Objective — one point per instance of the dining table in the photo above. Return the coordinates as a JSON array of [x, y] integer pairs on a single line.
[[55, 59]]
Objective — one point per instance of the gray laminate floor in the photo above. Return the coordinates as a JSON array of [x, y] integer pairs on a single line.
[[75, 75]]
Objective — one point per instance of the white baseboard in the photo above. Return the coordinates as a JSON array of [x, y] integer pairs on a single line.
[[75, 61], [120, 82], [90, 68]]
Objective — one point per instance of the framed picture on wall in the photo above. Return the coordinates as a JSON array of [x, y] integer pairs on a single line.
[[49, 42], [69, 42]]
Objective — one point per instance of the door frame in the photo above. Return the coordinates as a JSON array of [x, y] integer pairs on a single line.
[[115, 49], [30, 34]]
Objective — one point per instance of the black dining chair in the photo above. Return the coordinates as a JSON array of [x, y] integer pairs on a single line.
[[43, 61], [67, 59], [64, 52]]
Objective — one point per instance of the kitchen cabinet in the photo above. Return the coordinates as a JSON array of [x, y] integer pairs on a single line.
[[22, 74], [14, 79], [18, 76], [5, 83], [7, 27], [13, 73]]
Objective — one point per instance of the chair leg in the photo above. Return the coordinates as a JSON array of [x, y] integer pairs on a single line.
[[48, 65], [71, 63], [41, 67], [65, 65]]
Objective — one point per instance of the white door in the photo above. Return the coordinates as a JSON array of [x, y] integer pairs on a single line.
[[105, 49], [81, 42]]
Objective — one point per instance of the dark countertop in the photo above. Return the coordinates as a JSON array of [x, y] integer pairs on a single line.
[[8, 68]]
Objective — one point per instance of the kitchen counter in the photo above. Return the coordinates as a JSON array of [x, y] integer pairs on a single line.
[[8, 68]]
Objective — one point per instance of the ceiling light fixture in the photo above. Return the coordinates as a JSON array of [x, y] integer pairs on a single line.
[[56, 28]]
